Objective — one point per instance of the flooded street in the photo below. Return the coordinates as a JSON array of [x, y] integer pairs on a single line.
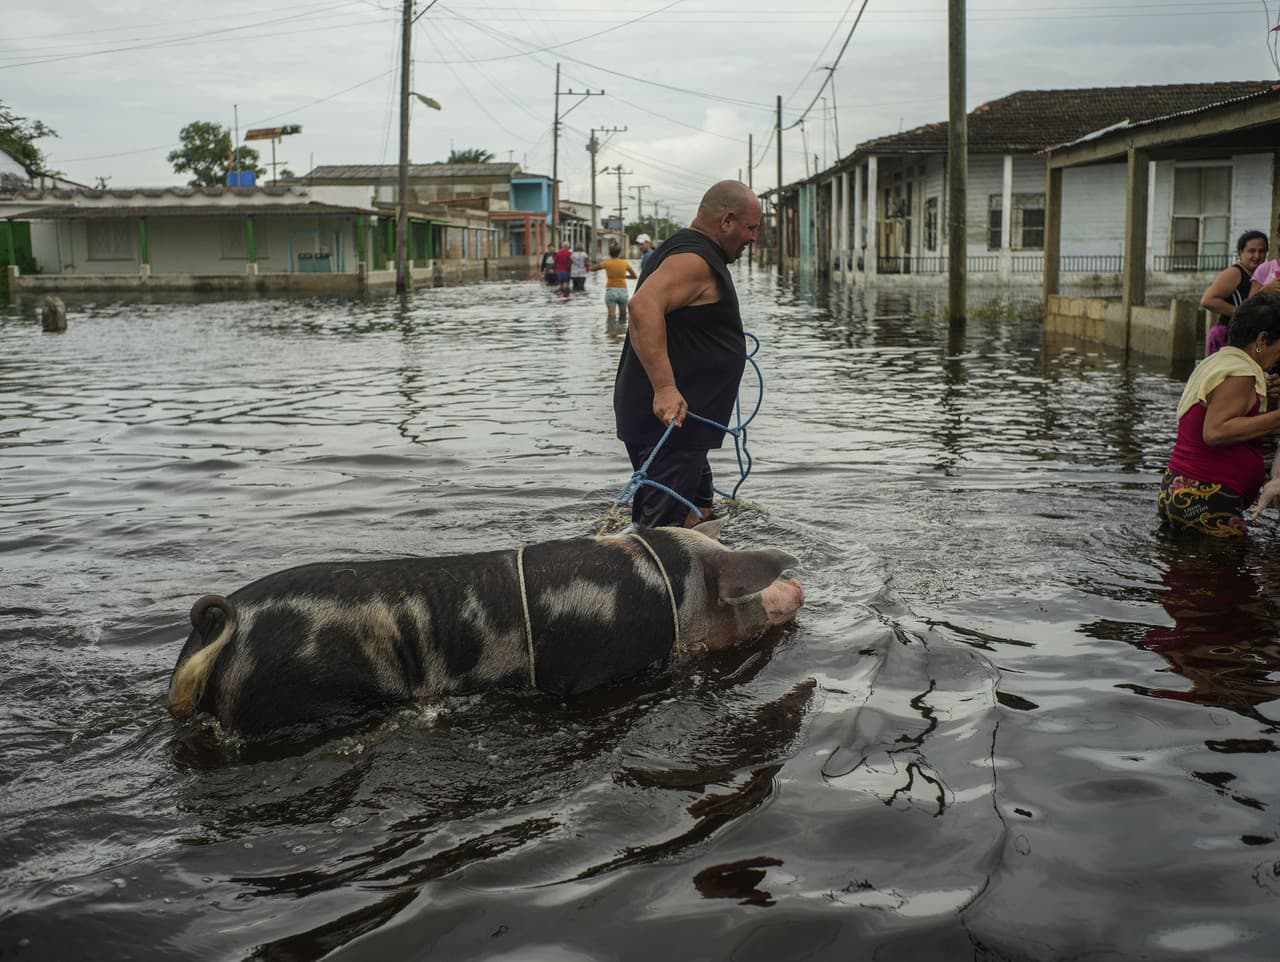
[[1012, 721]]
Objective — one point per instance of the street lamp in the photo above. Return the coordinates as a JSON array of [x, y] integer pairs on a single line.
[[402, 208]]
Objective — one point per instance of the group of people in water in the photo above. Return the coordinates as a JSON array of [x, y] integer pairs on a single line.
[[567, 269], [1218, 467]]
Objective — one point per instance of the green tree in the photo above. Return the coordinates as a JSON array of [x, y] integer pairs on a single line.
[[18, 136], [473, 155], [206, 155], [655, 227]]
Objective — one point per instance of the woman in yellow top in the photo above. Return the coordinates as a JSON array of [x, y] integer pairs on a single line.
[[615, 290]]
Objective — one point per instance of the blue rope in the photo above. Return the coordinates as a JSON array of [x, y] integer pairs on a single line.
[[641, 476]]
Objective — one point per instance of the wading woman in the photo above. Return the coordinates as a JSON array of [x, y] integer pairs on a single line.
[[1231, 288], [1217, 465]]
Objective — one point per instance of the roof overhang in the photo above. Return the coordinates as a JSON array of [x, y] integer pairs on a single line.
[[108, 211], [1249, 125]]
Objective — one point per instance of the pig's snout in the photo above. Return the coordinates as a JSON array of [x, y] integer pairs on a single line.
[[782, 600]]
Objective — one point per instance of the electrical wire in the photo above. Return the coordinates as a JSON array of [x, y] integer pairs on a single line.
[[836, 63], [184, 38]]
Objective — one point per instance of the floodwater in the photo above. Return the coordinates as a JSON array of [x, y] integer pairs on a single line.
[[1012, 721]]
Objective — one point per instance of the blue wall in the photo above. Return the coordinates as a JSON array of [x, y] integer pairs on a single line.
[[531, 193]]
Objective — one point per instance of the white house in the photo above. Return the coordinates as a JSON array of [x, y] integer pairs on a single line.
[[881, 212]]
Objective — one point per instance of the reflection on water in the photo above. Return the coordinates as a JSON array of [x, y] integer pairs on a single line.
[[1009, 705]]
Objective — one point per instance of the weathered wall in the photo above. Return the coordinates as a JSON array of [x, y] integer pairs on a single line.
[[1168, 332]]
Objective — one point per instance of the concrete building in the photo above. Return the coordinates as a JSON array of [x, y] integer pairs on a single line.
[[333, 230], [879, 215], [1190, 181], [268, 238]]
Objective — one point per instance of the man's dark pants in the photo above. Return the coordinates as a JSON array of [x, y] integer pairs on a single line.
[[685, 471]]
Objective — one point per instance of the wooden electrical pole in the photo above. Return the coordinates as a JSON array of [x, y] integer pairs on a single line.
[[957, 165], [779, 219], [555, 150], [617, 169], [594, 147], [750, 158], [402, 196], [640, 189]]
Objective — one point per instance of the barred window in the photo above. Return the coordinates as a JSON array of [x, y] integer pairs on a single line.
[[110, 240]]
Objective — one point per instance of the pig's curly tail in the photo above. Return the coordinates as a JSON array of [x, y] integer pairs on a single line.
[[186, 688]]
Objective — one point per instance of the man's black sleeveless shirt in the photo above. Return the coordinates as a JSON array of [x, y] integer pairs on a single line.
[[707, 351]]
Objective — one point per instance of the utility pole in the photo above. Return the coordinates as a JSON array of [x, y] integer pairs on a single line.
[[402, 195], [824, 136], [593, 146], [620, 173], [835, 111], [778, 217], [751, 158], [555, 149], [957, 163], [639, 189]]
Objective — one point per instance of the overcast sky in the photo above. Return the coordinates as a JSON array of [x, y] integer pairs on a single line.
[[689, 79]]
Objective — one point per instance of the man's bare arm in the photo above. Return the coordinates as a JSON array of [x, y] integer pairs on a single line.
[[682, 280]]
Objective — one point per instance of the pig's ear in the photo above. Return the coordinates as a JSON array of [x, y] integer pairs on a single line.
[[711, 528], [742, 573]]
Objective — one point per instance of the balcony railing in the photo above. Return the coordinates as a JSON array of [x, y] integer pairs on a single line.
[[990, 264], [1175, 263], [1033, 263]]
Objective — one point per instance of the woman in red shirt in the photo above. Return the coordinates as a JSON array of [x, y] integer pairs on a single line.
[[1217, 465]]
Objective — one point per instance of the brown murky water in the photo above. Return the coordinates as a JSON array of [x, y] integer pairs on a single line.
[[1012, 722]]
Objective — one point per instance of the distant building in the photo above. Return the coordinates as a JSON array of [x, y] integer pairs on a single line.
[[881, 211], [331, 230]]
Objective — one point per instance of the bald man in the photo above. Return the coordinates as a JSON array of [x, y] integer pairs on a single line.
[[685, 351]]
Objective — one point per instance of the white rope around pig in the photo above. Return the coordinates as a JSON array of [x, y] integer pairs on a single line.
[[528, 622]]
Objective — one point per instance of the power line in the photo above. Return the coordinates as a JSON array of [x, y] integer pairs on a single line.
[[252, 123], [556, 46], [181, 39], [831, 73]]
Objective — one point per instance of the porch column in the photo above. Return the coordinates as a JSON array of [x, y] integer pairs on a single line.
[[360, 238], [1150, 259], [250, 246], [1052, 228], [858, 246], [833, 235], [1273, 227], [1135, 239], [780, 215], [873, 239], [1006, 220], [144, 249], [844, 226]]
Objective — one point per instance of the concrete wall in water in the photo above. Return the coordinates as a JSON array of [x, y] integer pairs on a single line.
[[1171, 332], [441, 273]]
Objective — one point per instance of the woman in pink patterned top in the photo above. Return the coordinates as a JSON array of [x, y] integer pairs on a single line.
[[1232, 287]]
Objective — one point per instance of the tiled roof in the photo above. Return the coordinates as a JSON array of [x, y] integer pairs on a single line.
[[367, 173], [1031, 120], [102, 212]]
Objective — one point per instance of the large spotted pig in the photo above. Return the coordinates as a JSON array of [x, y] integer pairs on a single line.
[[325, 642]]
